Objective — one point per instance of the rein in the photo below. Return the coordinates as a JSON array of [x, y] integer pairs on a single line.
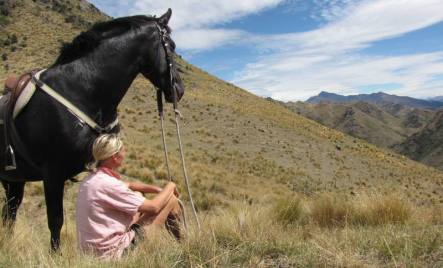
[[188, 188], [178, 115]]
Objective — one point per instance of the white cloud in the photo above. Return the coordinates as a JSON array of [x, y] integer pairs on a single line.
[[192, 21], [294, 77], [330, 10], [203, 39], [201, 14], [299, 65]]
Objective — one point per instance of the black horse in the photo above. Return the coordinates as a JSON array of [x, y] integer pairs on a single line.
[[93, 72]]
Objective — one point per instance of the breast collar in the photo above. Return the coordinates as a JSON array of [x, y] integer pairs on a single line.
[[81, 116]]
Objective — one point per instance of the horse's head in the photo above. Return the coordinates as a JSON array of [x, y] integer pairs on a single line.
[[161, 68]]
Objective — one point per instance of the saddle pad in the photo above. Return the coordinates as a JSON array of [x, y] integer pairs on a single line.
[[25, 96]]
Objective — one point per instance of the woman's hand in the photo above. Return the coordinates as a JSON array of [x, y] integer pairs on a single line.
[[176, 193], [174, 187], [157, 189]]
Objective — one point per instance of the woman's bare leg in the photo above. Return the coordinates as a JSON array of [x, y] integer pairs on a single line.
[[171, 210]]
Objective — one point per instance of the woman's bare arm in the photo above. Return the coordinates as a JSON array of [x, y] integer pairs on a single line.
[[155, 205], [144, 188]]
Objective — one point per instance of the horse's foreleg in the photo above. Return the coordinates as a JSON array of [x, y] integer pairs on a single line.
[[14, 196], [54, 209]]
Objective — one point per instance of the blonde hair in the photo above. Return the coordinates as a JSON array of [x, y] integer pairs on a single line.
[[104, 146]]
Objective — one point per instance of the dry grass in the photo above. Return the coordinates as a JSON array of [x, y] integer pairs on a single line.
[[378, 210], [244, 235], [289, 211], [332, 210]]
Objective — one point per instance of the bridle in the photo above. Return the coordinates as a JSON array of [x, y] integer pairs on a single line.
[[164, 38], [165, 41]]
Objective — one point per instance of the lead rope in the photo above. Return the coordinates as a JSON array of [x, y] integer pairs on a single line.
[[165, 149], [161, 115], [177, 115], [169, 60]]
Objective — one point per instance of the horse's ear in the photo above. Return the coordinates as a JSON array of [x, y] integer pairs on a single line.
[[164, 19]]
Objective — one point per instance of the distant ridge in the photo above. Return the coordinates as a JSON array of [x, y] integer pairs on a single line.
[[437, 98], [379, 98], [383, 125], [426, 145]]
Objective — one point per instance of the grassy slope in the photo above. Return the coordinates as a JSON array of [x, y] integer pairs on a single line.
[[242, 153]]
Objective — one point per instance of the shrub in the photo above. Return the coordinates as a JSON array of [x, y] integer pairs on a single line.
[[4, 10], [331, 211], [13, 38], [379, 210], [161, 173], [146, 175], [206, 202], [437, 215], [3, 20], [289, 211]]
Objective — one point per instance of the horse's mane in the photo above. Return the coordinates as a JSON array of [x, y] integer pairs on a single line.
[[87, 41]]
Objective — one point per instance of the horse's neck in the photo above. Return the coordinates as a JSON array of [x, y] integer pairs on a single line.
[[99, 90]]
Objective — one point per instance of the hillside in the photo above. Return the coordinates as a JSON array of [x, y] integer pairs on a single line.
[[426, 145], [383, 126], [379, 98], [244, 154]]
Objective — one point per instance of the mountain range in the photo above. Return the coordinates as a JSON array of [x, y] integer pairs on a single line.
[[426, 145], [402, 124], [438, 98], [381, 125], [379, 98]]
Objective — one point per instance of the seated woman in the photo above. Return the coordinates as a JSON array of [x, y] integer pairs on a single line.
[[111, 216]]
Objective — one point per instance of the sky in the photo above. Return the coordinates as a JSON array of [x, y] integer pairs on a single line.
[[294, 49]]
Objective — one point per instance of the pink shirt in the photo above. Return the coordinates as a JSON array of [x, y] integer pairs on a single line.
[[105, 209]]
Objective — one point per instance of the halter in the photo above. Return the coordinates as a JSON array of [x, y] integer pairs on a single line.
[[164, 36]]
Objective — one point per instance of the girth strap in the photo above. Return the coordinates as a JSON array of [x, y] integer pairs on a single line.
[[84, 118]]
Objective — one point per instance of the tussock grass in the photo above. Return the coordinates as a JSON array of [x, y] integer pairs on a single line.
[[290, 211], [330, 210], [243, 235], [377, 210], [333, 210]]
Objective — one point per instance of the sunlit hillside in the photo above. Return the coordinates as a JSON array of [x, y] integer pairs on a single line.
[[272, 188]]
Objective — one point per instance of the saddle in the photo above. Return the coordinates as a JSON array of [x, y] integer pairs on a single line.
[[13, 88], [15, 85]]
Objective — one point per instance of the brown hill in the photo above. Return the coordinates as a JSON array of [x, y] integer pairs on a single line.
[[426, 145], [383, 126]]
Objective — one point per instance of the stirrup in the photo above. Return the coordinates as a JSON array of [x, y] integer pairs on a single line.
[[10, 159]]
